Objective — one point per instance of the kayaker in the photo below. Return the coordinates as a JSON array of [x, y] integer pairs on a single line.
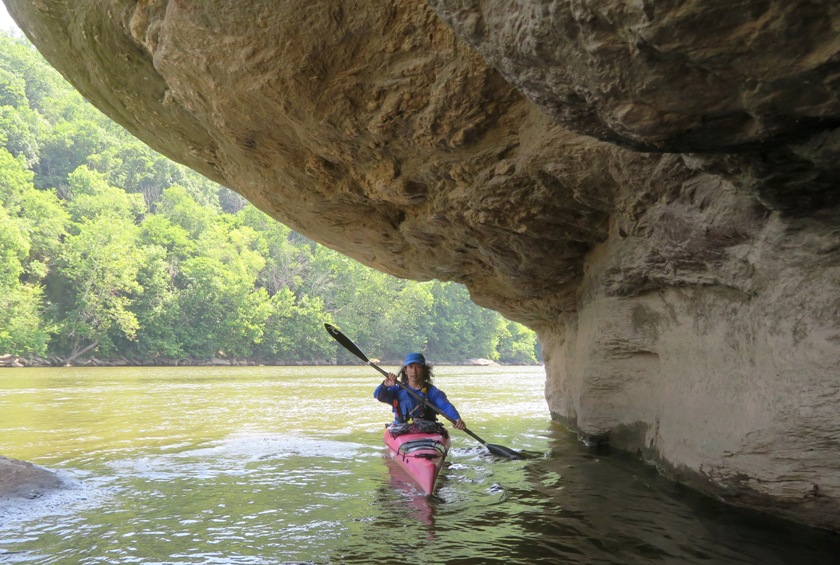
[[417, 375]]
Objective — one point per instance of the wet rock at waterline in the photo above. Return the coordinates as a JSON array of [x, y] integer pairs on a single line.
[[650, 186], [22, 480]]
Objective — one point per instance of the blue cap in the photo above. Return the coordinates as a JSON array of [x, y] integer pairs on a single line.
[[414, 358]]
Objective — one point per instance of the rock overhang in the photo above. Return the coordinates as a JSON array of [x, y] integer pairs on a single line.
[[650, 185]]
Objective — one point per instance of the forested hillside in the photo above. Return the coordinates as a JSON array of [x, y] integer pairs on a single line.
[[111, 251]]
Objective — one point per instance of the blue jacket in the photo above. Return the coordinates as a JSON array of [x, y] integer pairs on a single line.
[[407, 402]]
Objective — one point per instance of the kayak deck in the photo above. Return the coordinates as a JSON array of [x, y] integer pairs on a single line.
[[420, 455]]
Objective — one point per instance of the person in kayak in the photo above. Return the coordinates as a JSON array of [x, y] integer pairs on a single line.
[[416, 375]]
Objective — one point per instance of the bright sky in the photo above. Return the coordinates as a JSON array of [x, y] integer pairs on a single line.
[[6, 21]]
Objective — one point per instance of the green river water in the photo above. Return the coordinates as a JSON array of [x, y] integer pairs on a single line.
[[269, 465]]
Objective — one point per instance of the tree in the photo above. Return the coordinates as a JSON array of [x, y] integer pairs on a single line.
[[14, 248], [12, 90], [19, 133], [136, 168], [15, 182], [180, 208], [43, 84], [22, 328], [221, 312], [287, 254], [99, 264], [31, 225], [93, 197], [231, 202], [45, 219], [158, 308], [66, 147], [235, 247], [99, 267], [294, 329], [409, 319], [158, 230], [460, 329], [517, 344], [358, 298]]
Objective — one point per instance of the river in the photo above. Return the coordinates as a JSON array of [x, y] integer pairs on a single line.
[[269, 465]]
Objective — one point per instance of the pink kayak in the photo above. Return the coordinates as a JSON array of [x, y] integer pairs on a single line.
[[421, 455]]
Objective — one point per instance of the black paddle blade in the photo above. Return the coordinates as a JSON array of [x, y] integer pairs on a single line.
[[345, 341], [503, 451]]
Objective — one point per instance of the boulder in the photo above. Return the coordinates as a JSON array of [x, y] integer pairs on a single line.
[[22, 480]]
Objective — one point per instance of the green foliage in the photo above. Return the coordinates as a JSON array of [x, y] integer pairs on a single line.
[[136, 168], [410, 319], [14, 248], [22, 328], [31, 226], [294, 329], [177, 206], [108, 248], [92, 197], [43, 86], [12, 90], [175, 241], [19, 130], [222, 312], [158, 308], [517, 344], [98, 266], [15, 182], [45, 220], [460, 329]]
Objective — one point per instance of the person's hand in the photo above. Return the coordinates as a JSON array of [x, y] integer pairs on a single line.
[[460, 424], [390, 380]]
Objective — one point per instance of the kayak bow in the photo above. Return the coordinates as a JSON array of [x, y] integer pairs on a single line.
[[420, 455]]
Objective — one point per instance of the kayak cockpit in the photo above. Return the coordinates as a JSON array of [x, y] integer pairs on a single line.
[[420, 454]]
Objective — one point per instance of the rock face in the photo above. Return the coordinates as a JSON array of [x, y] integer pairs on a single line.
[[651, 186]]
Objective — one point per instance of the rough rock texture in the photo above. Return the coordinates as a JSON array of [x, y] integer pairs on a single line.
[[22, 480], [649, 185]]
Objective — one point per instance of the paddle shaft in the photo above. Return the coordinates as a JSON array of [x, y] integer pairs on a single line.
[[354, 349], [499, 450], [426, 402]]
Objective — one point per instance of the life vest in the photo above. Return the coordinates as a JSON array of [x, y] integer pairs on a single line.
[[420, 410]]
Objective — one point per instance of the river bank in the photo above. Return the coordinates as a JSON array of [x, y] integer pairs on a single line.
[[17, 361]]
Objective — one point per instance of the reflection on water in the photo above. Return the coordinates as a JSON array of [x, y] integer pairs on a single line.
[[420, 506], [285, 465]]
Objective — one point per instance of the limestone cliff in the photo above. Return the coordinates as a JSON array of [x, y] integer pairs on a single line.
[[649, 185]]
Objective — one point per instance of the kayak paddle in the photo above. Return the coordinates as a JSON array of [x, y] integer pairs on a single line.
[[499, 450]]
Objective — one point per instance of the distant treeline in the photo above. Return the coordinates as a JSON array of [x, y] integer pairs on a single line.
[[110, 250]]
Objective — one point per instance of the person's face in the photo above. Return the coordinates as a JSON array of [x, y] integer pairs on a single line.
[[414, 372]]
